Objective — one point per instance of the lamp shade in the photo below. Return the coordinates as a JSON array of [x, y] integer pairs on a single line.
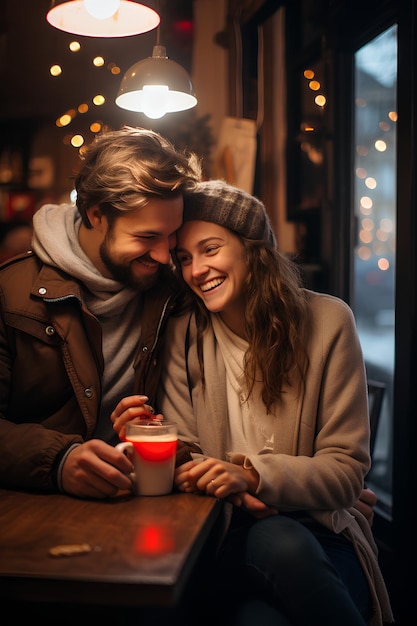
[[155, 86], [76, 17]]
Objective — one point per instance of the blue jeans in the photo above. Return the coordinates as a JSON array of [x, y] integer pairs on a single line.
[[290, 571]]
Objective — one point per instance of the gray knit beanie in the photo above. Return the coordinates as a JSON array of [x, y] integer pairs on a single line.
[[217, 201]]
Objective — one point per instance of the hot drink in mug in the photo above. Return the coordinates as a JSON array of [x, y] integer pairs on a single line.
[[152, 447]]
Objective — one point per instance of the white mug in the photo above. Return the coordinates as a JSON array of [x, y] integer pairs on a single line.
[[151, 446]]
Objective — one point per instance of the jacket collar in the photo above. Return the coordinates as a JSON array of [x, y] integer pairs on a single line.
[[54, 284]]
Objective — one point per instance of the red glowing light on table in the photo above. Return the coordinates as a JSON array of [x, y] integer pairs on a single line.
[[154, 540]]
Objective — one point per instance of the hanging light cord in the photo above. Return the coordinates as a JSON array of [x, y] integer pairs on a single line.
[[159, 51], [158, 28]]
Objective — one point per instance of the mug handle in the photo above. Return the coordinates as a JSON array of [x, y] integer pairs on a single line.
[[128, 449]]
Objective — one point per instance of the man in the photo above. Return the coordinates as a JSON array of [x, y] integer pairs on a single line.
[[82, 314]]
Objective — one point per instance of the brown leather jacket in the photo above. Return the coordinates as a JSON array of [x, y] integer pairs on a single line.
[[51, 366]]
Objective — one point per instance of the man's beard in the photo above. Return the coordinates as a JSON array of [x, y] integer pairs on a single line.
[[123, 273]]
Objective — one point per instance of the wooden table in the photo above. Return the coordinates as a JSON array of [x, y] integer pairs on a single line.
[[143, 549]]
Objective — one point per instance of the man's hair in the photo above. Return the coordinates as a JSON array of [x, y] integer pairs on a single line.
[[123, 169]]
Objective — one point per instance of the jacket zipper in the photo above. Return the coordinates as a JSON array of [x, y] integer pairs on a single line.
[[158, 332]]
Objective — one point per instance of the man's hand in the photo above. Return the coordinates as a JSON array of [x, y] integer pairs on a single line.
[[365, 504], [95, 469], [131, 409], [252, 505]]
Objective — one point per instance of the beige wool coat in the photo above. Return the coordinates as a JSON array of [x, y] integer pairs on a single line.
[[321, 435]]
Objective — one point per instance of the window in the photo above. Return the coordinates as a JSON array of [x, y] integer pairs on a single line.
[[374, 197]]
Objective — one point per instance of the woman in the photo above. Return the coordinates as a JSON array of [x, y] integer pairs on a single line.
[[266, 381]]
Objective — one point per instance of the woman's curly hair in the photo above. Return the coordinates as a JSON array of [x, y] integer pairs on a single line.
[[276, 320]]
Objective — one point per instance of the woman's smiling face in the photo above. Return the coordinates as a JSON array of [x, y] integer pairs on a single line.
[[213, 264]]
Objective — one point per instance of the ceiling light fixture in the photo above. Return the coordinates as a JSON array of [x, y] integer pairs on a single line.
[[102, 18], [156, 86]]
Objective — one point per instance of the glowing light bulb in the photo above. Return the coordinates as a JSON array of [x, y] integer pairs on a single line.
[[101, 9], [154, 101]]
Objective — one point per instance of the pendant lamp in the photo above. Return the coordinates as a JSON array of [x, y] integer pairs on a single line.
[[156, 85], [102, 18]]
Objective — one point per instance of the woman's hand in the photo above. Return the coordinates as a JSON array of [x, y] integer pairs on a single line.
[[196, 476], [216, 478], [131, 409], [181, 478]]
